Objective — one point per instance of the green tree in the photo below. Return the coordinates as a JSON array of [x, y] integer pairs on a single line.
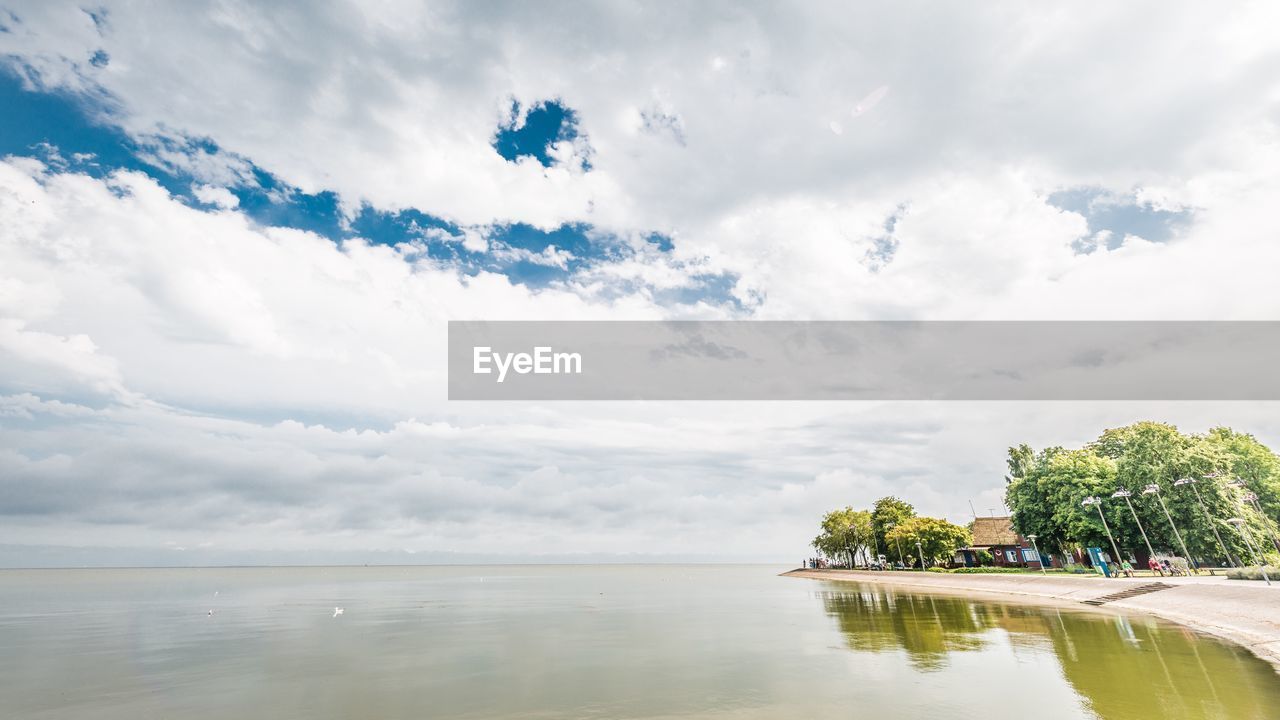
[[888, 513], [1258, 468], [1251, 462], [937, 538], [1066, 479], [1021, 460], [1032, 493], [1151, 453], [845, 534], [1045, 489]]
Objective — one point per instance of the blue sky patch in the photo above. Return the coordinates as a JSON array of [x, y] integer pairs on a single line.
[[33, 119], [714, 289], [544, 125], [271, 202], [391, 228], [1120, 215], [74, 133], [662, 242], [99, 17], [571, 237], [884, 247]]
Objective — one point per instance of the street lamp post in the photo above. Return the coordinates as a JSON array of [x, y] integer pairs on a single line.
[[1032, 538], [1124, 493], [1205, 509], [1154, 489], [1091, 500], [920, 548], [1252, 498], [1244, 533]]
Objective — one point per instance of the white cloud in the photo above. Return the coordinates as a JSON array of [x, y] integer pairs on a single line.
[[714, 134], [667, 479], [397, 105], [208, 309], [47, 361], [216, 196]]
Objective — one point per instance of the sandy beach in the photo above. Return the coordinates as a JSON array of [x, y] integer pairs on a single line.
[[1243, 612]]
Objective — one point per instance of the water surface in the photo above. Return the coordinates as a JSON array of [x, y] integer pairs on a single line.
[[585, 642]]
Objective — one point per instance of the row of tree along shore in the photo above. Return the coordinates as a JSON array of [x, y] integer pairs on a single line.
[[890, 529], [1144, 490]]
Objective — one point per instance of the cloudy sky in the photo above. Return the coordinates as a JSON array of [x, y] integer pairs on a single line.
[[231, 236]]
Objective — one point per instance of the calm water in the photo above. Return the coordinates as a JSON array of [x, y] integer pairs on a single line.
[[584, 642]]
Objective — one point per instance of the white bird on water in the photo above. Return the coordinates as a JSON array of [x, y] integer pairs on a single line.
[[338, 611]]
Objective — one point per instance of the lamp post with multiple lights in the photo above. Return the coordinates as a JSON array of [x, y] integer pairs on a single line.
[[1124, 493], [1091, 500], [1252, 498], [1032, 537], [1244, 533], [1154, 489], [1208, 518]]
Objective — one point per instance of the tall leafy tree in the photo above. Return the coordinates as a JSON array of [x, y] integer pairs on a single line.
[[1066, 479], [1021, 460], [1045, 497], [1258, 468], [1253, 463], [1147, 453], [845, 535], [1151, 453], [888, 513], [1027, 495], [937, 538]]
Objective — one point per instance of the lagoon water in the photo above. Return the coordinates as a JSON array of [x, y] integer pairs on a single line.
[[584, 642]]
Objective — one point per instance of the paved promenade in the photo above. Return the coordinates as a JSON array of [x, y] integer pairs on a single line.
[[1245, 612]]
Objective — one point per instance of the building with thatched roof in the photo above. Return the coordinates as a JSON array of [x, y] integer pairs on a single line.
[[997, 536], [995, 531]]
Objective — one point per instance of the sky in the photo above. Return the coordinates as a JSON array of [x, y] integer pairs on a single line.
[[231, 236]]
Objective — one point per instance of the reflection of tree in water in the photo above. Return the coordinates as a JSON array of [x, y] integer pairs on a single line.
[[925, 627], [1131, 667], [1121, 666]]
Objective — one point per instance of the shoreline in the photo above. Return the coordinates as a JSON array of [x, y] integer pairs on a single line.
[[1243, 612]]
